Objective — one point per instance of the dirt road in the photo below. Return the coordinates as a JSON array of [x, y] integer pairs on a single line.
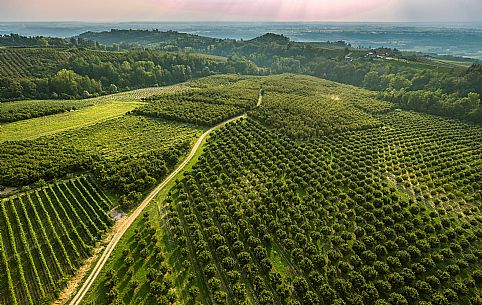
[[120, 231], [132, 217]]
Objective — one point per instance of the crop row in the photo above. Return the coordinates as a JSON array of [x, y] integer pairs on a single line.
[[197, 113], [13, 64], [25, 62], [206, 107], [45, 235]]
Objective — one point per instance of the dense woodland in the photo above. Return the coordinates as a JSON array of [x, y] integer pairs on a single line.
[[85, 74], [439, 89]]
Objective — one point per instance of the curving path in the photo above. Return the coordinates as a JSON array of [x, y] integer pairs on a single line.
[[132, 217]]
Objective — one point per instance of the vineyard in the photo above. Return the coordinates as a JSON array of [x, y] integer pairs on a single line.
[[28, 62], [45, 235], [384, 214], [41, 62]]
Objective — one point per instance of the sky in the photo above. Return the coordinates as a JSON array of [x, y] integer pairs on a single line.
[[242, 10]]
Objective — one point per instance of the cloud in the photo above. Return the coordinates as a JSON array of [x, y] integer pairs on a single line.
[[225, 10], [427, 11], [274, 9]]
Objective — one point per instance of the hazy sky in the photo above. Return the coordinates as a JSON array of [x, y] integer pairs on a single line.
[[241, 10]]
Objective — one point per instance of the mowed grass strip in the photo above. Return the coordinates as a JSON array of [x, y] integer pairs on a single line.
[[47, 125], [138, 94]]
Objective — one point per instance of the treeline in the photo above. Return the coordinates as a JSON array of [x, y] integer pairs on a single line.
[[65, 84], [447, 91], [16, 40], [440, 88], [87, 74], [438, 103], [443, 90], [450, 93], [149, 68]]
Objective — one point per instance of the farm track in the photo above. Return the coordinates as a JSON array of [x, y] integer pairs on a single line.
[[122, 229], [132, 217]]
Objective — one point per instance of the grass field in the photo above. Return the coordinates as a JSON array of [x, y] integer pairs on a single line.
[[48, 125]]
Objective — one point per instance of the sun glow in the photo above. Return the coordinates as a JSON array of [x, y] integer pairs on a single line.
[[275, 9], [241, 10]]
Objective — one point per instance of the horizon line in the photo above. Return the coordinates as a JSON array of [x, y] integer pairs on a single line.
[[238, 21]]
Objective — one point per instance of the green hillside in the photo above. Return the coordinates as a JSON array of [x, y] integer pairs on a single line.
[[94, 160], [344, 199], [318, 193]]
